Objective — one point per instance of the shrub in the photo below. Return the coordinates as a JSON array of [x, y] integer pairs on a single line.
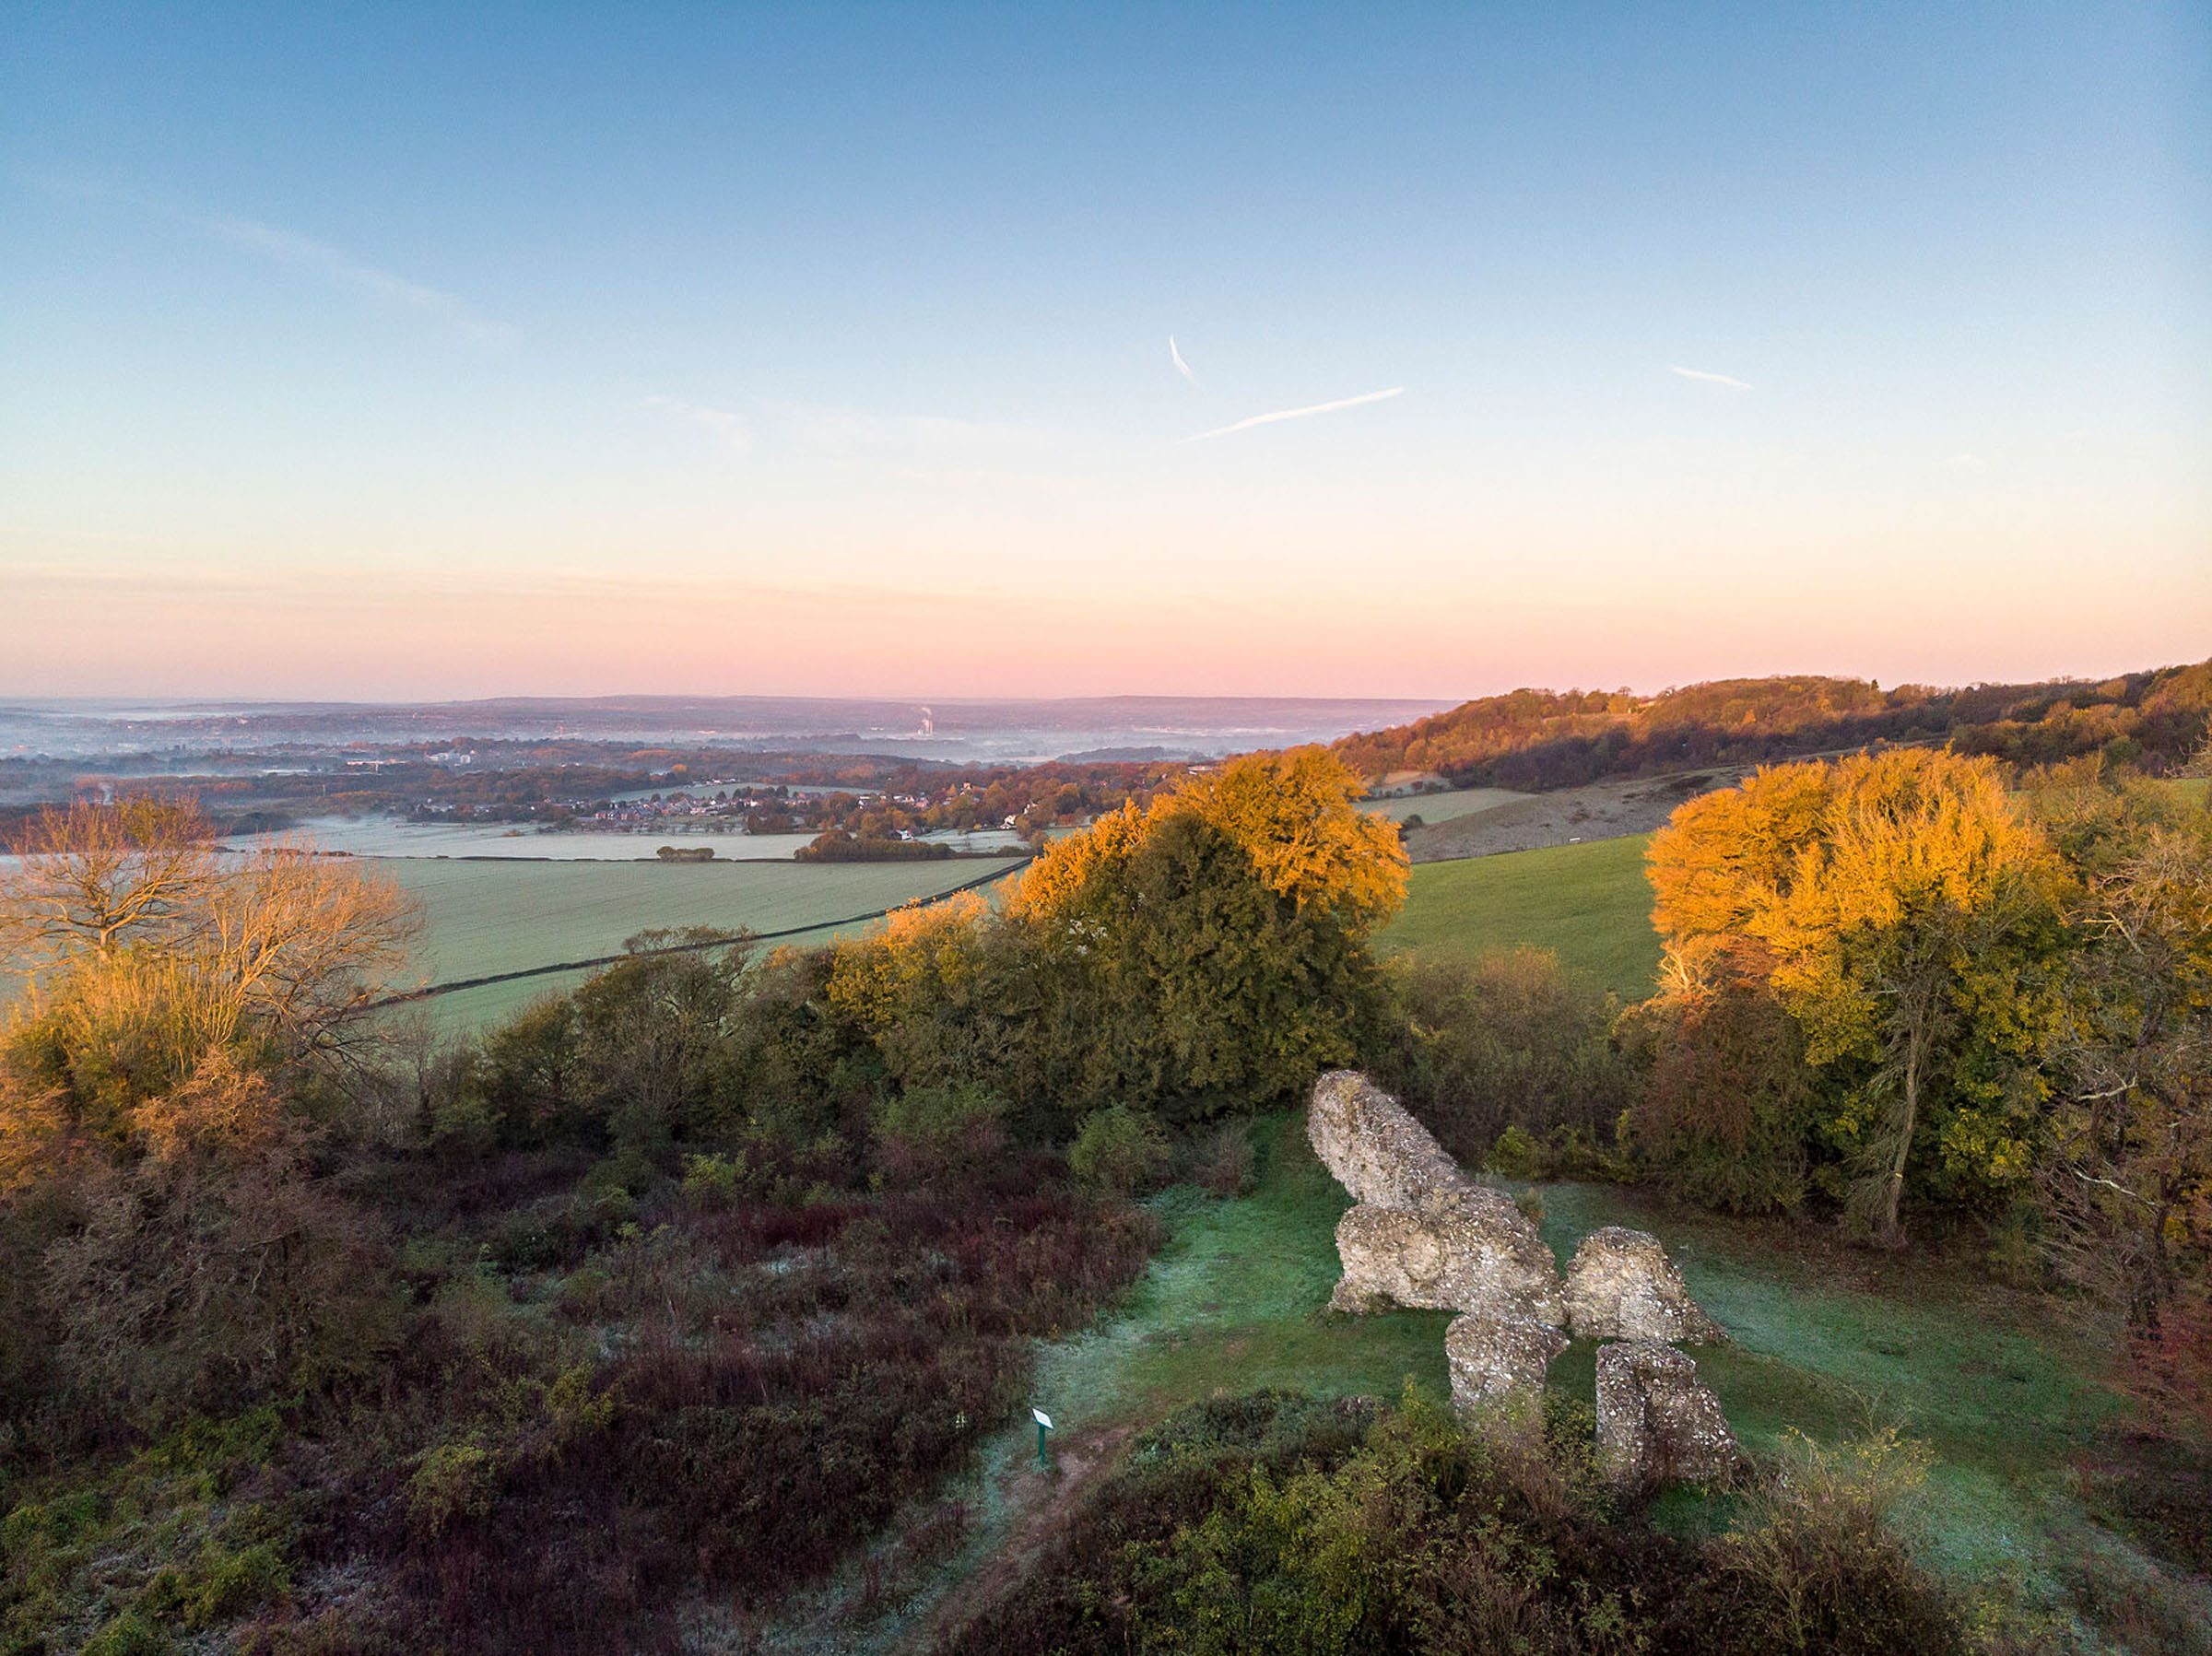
[[129, 1634], [1274, 1522], [1813, 1565], [234, 1582], [1223, 1162], [933, 1132], [454, 1480], [1119, 1151], [1727, 1115], [1509, 1040], [711, 1183], [1515, 1155]]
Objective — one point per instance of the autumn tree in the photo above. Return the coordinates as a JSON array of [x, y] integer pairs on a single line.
[[2126, 1184], [1898, 907], [1294, 814], [1203, 954]]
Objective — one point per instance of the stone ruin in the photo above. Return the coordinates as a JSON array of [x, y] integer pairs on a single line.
[[1657, 1422], [1621, 1285], [1498, 1363], [1421, 1233]]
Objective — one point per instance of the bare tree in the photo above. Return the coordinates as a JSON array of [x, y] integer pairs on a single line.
[[128, 919], [91, 876]]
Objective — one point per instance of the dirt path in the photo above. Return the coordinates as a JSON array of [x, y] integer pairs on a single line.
[[1039, 1501]]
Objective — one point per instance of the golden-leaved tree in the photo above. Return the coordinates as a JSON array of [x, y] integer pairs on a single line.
[[1905, 913], [1202, 955], [1295, 815]]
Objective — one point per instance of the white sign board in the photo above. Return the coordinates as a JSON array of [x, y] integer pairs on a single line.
[[1044, 1419]]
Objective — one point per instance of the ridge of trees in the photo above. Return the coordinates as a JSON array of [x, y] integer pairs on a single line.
[[1540, 739]]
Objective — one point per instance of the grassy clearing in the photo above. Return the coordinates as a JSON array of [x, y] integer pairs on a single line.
[[466, 1010], [1589, 902], [1829, 1340], [1444, 806]]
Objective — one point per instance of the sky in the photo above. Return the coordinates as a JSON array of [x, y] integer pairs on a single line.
[[387, 352]]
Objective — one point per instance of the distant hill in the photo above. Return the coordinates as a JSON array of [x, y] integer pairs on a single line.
[[1539, 739]]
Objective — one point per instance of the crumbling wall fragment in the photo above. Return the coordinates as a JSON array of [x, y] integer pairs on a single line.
[[1657, 1422], [1498, 1360], [1621, 1285]]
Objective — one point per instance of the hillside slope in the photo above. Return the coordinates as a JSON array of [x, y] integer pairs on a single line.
[[1539, 739]]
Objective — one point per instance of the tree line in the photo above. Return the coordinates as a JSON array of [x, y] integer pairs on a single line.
[[1540, 739]]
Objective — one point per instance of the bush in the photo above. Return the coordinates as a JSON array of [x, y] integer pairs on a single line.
[[934, 1132], [712, 1183], [454, 1481], [1727, 1115], [232, 1584], [1515, 1155], [129, 1634], [1223, 1161], [1510, 1040], [1119, 1151], [1275, 1522], [1812, 1564]]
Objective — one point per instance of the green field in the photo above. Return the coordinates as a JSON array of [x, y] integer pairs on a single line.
[[1442, 807], [1827, 1342], [1590, 902], [482, 917]]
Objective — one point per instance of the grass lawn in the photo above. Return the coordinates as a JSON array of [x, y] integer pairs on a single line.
[[467, 1010], [1589, 902]]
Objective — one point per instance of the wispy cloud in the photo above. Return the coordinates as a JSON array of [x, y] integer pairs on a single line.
[[342, 269], [1708, 378], [1283, 414], [294, 251], [1966, 463], [731, 426], [1182, 367]]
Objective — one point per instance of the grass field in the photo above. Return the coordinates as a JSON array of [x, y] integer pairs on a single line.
[[481, 918], [1442, 807], [1589, 902], [1829, 1340]]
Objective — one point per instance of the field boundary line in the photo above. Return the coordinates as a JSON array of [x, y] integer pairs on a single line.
[[431, 990]]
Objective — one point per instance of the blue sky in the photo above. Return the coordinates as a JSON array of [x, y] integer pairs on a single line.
[[400, 351]]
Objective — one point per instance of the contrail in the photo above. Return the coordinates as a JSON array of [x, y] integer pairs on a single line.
[[1730, 380], [1268, 420], [1182, 367]]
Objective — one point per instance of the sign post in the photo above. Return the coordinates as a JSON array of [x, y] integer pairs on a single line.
[[1044, 1425]]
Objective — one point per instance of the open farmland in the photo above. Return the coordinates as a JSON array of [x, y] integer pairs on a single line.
[[484, 918], [1588, 901]]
